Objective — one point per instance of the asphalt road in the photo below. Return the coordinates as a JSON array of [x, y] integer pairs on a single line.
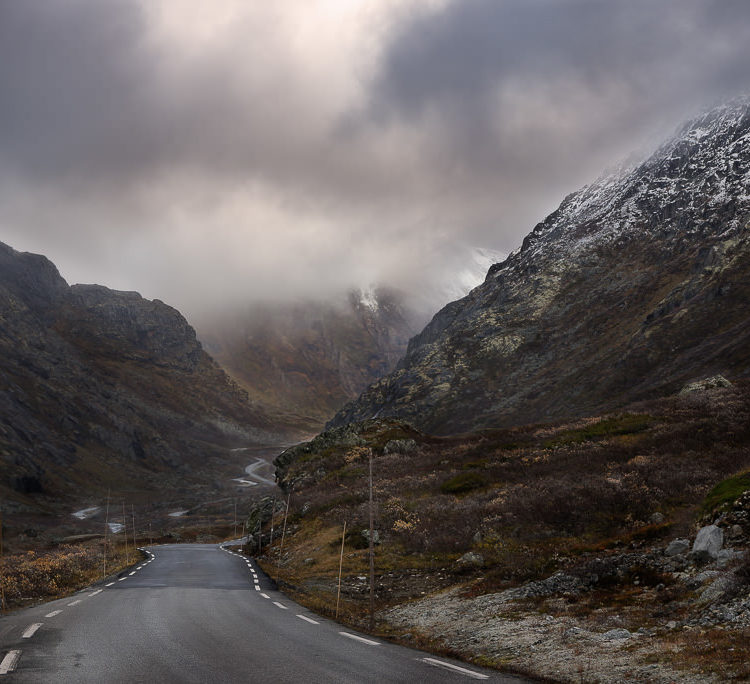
[[198, 613]]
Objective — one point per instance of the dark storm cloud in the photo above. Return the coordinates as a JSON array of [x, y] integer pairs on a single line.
[[301, 147], [502, 76]]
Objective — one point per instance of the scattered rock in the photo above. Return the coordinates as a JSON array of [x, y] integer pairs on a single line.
[[714, 382], [656, 518], [677, 547], [708, 543], [716, 590], [726, 556], [375, 536], [616, 634], [471, 558], [400, 446]]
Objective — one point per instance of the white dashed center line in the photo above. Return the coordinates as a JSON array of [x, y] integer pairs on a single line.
[[307, 619], [53, 613], [31, 630], [74, 603], [455, 668], [370, 642], [264, 595], [109, 585], [9, 662], [280, 605], [98, 591]]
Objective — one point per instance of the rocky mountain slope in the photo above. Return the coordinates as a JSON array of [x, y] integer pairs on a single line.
[[306, 360], [637, 284], [101, 388]]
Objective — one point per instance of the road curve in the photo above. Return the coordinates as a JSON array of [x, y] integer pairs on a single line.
[[198, 613]]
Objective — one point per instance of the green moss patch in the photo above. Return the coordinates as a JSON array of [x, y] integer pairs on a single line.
[[726, 492]]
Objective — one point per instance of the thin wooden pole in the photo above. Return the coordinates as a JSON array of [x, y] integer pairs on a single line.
[[341, 565], [2, 565], [135, 544], [235, 518], [106, 531], [125, 532], [273, 510], [372, 556], [283, 531]]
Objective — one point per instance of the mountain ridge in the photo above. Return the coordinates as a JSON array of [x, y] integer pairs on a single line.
[[580, 319], [100, 387]]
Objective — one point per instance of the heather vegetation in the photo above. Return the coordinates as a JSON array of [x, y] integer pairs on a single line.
[[490, 511], [47, 574]]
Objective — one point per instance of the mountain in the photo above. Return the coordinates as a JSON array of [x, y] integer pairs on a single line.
[[101, 388], [637, 284], [305, 360]]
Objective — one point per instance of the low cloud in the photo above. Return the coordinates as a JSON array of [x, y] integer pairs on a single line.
[[260, 151]]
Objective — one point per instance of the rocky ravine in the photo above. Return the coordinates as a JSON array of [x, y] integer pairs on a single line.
[[637, 284], [307, 359], [101, 388]]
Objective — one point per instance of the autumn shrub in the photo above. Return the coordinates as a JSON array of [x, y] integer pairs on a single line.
[[462, 483], [32, 575]]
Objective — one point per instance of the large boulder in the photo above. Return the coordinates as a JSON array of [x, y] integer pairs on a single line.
[[708, 543]]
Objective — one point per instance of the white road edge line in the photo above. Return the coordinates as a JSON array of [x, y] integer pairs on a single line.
[[53, 613], [122, 579], [98, 591], [307, 619], [257, 588], [280, 605], [455, 668], [264, 595], [9, 662], [75, 603], [31, 630], [109, 585], [359, 638], [132, 573]]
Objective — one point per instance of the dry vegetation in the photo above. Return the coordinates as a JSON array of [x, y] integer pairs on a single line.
[[32, 576], [528, 502]]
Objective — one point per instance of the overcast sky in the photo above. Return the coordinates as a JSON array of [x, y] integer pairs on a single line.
[[249, 150]]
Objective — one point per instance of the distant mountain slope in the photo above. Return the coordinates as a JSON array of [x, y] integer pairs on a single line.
[[309, 358], [102, 388], [637, 284]]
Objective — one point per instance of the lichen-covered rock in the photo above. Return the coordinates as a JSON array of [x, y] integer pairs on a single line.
[[708, 543], [400, 446], [714, 382], [471, 558], [677, 547]]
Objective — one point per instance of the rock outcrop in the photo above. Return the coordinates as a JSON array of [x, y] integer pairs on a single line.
[[99, 387], [637, 285]]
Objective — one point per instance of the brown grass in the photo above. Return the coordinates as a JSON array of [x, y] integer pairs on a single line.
[[31, 576]]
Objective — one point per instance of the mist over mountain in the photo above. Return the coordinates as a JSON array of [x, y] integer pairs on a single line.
[[637, 284], [305, 359], [102, 388]]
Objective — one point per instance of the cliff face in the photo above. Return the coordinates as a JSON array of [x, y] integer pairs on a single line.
[[308, 359], [99, 387], [636, 285]]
